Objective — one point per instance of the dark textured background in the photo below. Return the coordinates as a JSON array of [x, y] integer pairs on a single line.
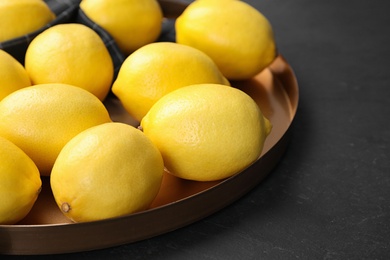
[[329, 196]]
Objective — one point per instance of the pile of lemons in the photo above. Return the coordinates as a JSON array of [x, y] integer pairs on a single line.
[[192, 122]]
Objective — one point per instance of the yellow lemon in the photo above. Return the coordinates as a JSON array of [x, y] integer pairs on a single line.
[[159, 68], [71, 54], [235, 35], [132, 23], [20, 183], [13, 76], [206, 132], [41, 119], [106, 171], [22, 17]]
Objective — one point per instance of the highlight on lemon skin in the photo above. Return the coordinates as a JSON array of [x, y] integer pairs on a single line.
[[159, 68], [207, 132], [21, 17], [106, 171], [132, 23], [235, 35], [71, 54]]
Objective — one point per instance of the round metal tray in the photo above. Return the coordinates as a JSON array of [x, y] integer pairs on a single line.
[[180, 202]]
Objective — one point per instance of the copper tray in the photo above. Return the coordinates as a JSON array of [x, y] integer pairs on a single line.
[[180, 202]]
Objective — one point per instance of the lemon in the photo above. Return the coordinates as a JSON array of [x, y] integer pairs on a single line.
[[235, 35], [106, 171], [41, 119], [22, 17], [132, 23], [13, 76], [206, 132], [20, 183], [159, 68], [71, 54]]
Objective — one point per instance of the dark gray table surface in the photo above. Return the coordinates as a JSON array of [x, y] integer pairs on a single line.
[[329, 197]]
